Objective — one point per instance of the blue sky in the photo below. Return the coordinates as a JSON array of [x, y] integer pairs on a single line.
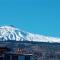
[[37, 16]]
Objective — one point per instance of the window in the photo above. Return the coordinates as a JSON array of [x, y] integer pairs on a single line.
[[27, 57]]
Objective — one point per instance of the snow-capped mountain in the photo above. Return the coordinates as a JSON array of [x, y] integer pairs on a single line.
[[13, 33]]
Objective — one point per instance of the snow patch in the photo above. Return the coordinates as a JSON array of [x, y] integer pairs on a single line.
[[12, 33]]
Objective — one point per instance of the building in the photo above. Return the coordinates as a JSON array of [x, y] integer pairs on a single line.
[[10, 52], [29, 50]]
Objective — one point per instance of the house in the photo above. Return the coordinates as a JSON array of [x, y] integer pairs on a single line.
[[13, 53]]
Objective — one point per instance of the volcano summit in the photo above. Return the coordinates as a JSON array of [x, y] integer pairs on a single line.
[[13, 33]]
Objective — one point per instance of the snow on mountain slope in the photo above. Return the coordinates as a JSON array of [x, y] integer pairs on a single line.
[[12, 33]]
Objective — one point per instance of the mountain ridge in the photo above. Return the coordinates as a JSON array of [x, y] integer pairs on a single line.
[[13, 33]]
